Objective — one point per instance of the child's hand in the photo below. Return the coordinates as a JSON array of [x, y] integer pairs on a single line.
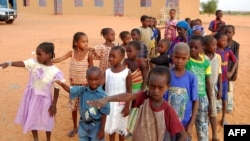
[[125, 111], [98, 103], [219, 94], [52, 110], [100, 134], [3, 66], [229, 75], [189, 131]]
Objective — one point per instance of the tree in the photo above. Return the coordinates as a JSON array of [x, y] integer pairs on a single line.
[[209, 7]]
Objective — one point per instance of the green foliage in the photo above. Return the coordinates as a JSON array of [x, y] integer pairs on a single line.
[[209, 7]]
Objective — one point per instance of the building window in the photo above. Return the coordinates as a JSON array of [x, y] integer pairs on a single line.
[[145, 3], [26, 2], [42, 3], [78, 3], [172, 3], [98, 3]]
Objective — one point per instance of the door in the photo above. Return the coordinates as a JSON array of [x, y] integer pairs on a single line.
[[118, 7], [58, 7]]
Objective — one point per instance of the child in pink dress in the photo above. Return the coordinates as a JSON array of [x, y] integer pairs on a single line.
[[170, 27], [38, 108]]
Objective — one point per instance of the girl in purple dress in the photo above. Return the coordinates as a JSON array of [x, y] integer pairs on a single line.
[[38, 108]]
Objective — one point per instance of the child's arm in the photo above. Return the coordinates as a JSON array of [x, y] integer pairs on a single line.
[[14, 64], [52, 108], [143, 68], [193, 118], [230, 74], [101, 133], [125, 110], [209, 94], [90, 60], [63, 85], [219, 93], [210, 28], [62, 58], [183, 136]]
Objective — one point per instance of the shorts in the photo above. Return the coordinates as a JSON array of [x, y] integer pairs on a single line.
[[224, 90], [214, 104]]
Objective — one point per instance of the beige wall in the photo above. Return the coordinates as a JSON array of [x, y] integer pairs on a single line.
[[187, 8]]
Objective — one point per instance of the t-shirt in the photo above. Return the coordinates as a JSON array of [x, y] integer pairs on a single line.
[[216, 70], [226, 55], [146, 34], [201, 69], [182, 93], [214, 24], [86, 94], [162, 60], [172, 123], [235, 49]]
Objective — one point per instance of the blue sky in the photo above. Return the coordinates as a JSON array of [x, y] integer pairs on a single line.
[[233, 5]]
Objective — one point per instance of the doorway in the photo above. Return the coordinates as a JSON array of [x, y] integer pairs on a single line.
[[58, 7], [118, 7]]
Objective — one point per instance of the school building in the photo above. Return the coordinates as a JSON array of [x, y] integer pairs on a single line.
[[155, 8]]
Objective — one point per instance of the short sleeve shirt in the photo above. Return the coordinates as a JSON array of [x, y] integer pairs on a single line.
[[182, 93], [86, 94], [201, 69], [214, 24]]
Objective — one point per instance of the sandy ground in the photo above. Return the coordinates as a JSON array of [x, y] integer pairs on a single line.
[[19, 40]]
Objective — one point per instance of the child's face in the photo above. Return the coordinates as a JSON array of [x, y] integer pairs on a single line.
[[219, 15], [230, 32], [157, 85], [82, 42], [94, 79], [115, 57], [135, 36], [172, 14], [195, 48], [197, 32], [180, 59], [154, 22], [212, 46], [146, 22], [151, 23], [197, 22], [127, 39], [131, 52], [222, 41], [162, 47], [181, 31], [42, 57], [110, 36]]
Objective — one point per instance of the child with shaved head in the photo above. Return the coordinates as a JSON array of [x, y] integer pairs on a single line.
[[183, 92]]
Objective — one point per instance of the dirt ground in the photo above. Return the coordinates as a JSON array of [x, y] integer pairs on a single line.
[[18, 41]]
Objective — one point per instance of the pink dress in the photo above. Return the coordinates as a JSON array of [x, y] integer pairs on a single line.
[[170, 30], [33, 110]]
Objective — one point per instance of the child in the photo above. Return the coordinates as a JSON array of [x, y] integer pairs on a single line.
[[126, 38], [226, 56], [158, 33], [138, 70], [163, 59], [117, 80], [156, 118], [234, 46], [188, 20], [210, 43], [170, 26], [198, 30], [183, 92], [215, 24], [81, 60], [202, 69], [102, 51], [38, 108], [92, 121], [147, 34], [136, 36], [199, 23]]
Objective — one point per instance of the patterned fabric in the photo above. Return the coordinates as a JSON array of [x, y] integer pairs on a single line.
[[77, 69], [102, 54], [170, 30], [33, 111]]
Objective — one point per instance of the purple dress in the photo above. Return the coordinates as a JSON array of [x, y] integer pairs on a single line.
[[33, 110]]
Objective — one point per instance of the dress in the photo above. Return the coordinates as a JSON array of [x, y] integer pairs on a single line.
[[115, 83], [102, 54], [170, 30], [33, 111]]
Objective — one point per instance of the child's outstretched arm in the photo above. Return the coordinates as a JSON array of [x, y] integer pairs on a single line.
[[63, 85], [52, 109], [14, 64], [62, 58]]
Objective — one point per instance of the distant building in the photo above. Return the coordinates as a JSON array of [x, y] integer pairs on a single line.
[[185, 8]]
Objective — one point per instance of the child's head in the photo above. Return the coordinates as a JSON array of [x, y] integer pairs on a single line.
[[116, 55], [181, 55], [133, 49], [145, 21], [188, 20], [151, 21], [80, 40], [158, 82], [136, 34], [197, 30], [209, 43], [218, 14], [222, 39], [230, 31], [108, 34], [154, 22], [196, 45], [198, 22], [94, 77], [182, 27], [172, 13], [192, 24], [163, 46], [125, 37], [222, 28], [45, 52]]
